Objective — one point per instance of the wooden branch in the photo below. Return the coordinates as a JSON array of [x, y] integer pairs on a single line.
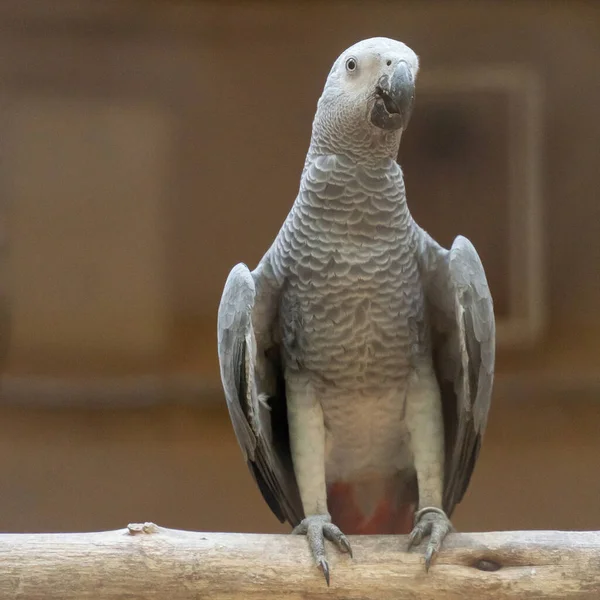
[[149, 562]]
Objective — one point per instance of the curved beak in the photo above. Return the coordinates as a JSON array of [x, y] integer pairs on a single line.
[[395, 97]]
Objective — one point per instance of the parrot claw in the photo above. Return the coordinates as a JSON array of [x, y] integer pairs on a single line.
[[434, 523], [334, 534], [318, 528], [325, 568], [345, 546], [415, 538], [429, 554]]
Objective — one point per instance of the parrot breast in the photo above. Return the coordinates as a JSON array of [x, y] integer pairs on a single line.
[[352, 307], [351, 316]]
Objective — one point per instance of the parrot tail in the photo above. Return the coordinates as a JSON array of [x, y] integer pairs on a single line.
[[374, 506]]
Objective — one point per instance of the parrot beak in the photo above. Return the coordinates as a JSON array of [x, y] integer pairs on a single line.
[[394, 99]]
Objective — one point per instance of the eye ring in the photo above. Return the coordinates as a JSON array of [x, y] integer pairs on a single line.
[[351, 64]]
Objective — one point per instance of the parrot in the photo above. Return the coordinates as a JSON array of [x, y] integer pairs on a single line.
[[357, 358]]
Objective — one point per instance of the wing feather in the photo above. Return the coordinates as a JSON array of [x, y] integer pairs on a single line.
[[259, 419], [464, 355]]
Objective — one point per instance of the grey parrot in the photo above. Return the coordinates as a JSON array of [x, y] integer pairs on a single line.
[[357, 359]]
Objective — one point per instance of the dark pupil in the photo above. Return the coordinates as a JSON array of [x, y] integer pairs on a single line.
[[351, 65]]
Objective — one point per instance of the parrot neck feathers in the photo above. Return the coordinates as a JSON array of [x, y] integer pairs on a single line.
[[367, 145]]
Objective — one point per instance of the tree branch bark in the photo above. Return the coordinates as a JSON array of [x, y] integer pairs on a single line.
[[144, 561]]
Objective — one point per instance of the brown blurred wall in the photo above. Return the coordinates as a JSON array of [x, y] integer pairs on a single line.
[[217, 102], [180, 467]]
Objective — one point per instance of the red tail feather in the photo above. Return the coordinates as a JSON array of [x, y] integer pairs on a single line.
[[388, 517]]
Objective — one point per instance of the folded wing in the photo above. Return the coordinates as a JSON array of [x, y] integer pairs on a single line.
[[464, 353], [256, 403]]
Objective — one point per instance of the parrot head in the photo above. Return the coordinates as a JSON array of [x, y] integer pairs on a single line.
[[369, 94]]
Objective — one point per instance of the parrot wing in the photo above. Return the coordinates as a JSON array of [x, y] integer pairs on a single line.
[[464, 354], [259, 417]]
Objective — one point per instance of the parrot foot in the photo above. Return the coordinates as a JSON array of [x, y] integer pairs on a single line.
[[432, 522], [318, 528]]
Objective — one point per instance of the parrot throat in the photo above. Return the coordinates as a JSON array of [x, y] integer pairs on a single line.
[[334, 132]]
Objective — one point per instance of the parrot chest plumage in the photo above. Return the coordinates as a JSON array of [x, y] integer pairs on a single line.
[[352, 310], [352, 304]]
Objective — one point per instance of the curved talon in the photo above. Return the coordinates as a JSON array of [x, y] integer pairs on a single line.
[[429, 554], [334, 534], [346, 546], [415, 538], [318, 528], [325, 568], [432, 522]]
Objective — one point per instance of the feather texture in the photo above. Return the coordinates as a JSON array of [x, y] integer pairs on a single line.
[[463, 330], [261, 428]]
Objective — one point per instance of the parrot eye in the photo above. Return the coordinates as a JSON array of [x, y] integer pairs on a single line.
[[351, 64]]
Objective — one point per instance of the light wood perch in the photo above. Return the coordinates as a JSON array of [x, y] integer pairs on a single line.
[[144, 561]]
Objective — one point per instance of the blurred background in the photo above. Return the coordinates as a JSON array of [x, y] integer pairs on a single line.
[[146, 147]]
